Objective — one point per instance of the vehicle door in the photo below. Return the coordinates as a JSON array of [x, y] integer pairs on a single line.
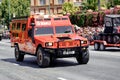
[[23, 36], [18, 35], [30, 45]]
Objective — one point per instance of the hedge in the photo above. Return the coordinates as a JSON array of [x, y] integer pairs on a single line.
[[88, 19]]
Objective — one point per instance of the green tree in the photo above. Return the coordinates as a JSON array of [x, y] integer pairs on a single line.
[[116, 2], [90, 4], [68, 7], [17, 8], [112, 3], [81, 20]]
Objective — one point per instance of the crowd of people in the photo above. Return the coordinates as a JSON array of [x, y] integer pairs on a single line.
[[91, 33]]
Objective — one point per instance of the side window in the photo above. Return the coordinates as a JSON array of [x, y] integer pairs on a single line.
[[18, 26], [60, 1], [42, 2], [13, 26], [23, 27]]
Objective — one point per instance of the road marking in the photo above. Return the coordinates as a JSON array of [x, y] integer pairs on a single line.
[[15, 64], [60, 78]]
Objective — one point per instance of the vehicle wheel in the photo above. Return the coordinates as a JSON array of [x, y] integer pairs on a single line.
[[96, 46], [43, 59], [18, 55], [102, 47], [83, 57]]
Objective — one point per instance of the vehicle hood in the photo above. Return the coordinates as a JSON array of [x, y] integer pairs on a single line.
[[56, 38], [45, 38]]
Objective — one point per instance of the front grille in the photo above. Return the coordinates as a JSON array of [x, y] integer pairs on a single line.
[[65, 44]]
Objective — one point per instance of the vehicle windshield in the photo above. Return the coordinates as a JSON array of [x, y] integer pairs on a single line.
[[63, 29], [116, 21], [44, 31]]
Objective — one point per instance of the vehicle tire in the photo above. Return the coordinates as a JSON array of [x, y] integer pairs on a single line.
[[18, 54], [83, 57], [43, 59], [102, 47], [96, 46]]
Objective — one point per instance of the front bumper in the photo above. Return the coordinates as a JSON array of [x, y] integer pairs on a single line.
[[66, 52]]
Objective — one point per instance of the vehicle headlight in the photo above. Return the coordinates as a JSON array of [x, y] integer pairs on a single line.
[[48, 44], [83, 42]]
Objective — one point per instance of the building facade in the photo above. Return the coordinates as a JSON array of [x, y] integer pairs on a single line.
[[50, 6]]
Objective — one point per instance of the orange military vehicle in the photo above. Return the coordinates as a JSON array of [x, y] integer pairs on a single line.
[[47, 38], [110, 37]]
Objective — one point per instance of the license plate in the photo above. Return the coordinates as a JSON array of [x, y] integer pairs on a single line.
[[68, 52]]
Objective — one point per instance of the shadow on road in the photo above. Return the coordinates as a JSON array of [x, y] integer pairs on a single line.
[[31, 62]]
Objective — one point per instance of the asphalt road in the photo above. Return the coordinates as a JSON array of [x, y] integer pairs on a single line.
[[103, 65]]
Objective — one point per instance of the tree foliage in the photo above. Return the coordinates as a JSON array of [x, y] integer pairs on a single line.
[[113, 3], [14, 8], [68, 7], [90, 4]]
